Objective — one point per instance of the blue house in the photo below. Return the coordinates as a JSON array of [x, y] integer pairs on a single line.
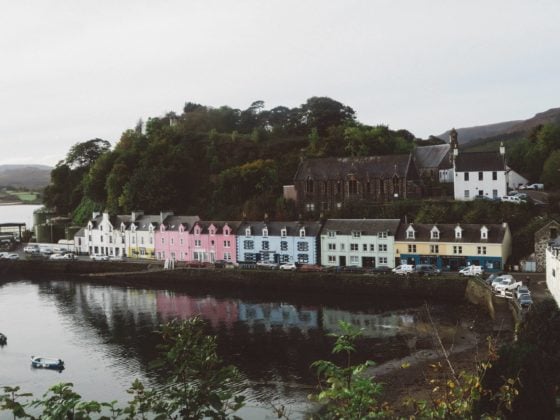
[[278, 242]]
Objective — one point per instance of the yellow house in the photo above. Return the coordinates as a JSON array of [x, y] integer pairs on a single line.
[[450, 246]]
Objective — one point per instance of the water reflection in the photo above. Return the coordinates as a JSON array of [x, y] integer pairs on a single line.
[[107, 336]]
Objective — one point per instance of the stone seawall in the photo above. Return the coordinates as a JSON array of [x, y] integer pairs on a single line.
[[438, 288]]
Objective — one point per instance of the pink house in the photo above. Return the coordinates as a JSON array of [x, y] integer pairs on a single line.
[[172, 238], [212, 241]]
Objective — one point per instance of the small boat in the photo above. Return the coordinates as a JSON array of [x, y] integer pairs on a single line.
[[47, 363], [3, 339]]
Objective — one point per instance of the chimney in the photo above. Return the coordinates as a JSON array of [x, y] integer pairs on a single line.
[[502, 149], [136, 214], [163, 215]]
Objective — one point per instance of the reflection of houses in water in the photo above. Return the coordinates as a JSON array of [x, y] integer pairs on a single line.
[[217, 312], [138, 304], [373, 325], [278, 315]]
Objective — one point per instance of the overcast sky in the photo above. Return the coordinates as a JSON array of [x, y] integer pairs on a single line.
[[76, 70]]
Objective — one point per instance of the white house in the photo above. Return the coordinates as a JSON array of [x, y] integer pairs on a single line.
[[553, 269], [364, 243], [482, 174]]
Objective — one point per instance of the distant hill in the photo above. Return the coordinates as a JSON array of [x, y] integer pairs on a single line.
[[478, 137], [25, 176]]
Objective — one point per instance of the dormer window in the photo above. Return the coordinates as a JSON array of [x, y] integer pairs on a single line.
[[265, 232], [283, 232], [410, 233], [302, 233], [151, 228], [181, 228], [483, 232], [458, 232], [248, 231], [212, 231], [434, 233], [133, 228], [356, 234], [226, 231], [122, 228]]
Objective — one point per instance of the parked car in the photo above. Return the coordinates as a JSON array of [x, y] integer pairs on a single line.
[[288, 266], [534, 187], [471, 270], [3, 255], [115, 258], [382, 269], [525, 300], [56, 257], [12, 257], [522, 290], [498, 279], [99, 257], [31, 249], [267, 265], [507, 284], [403, 269], [224, 264], [426, 270], [512, 199]]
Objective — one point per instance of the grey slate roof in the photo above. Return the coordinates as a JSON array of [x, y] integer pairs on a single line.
[[365, 226], [173, 222], [219, 225], [274, 228], [368, 166], [431, 156], [470, 234], [479, 161]]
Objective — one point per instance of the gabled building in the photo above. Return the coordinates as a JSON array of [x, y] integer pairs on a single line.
[[278, 242], [431, 159], [172, 238], [329, 183], [103, 235], [211, 241], [543, 237], [449, 246], [480, 174], [364, 243]]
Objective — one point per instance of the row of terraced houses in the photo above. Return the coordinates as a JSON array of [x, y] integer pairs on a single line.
[[363, 243]]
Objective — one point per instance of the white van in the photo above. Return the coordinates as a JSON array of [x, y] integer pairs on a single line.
[[471, 270], [403, 269]]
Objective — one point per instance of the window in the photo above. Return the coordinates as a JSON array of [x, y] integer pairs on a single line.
[[410, 233], [248, 232], [197, 243], [466, 176], [467, 194], [181, 241], [364, 247], [332, 247], [227, 256], [383, 247], [309, 186], [302, 233], [353, 187], [101, 238], [434, 249], [110, 239], [353, 247], [142, 240], [122, 240], [372, 247], [284, 258], [494, 194], [249, 244], [249, 257], [481, 193], [310, 207], [484, 233], [457, 249], [265, 232], [332, 259], [481, 176], [302, 246], [163, 241], [356, 234], [283, 245], [227, 243], [354, 260], [89, 238], [331, 234], [171, 241], [435, 234], [412, 248], [494, 176], [265, 245], [481, 250], [283, 233], [382, 235], [342, 247], [303, 258], [382, 260], [458, 233]]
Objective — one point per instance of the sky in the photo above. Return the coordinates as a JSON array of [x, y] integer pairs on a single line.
[[74, 71]]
